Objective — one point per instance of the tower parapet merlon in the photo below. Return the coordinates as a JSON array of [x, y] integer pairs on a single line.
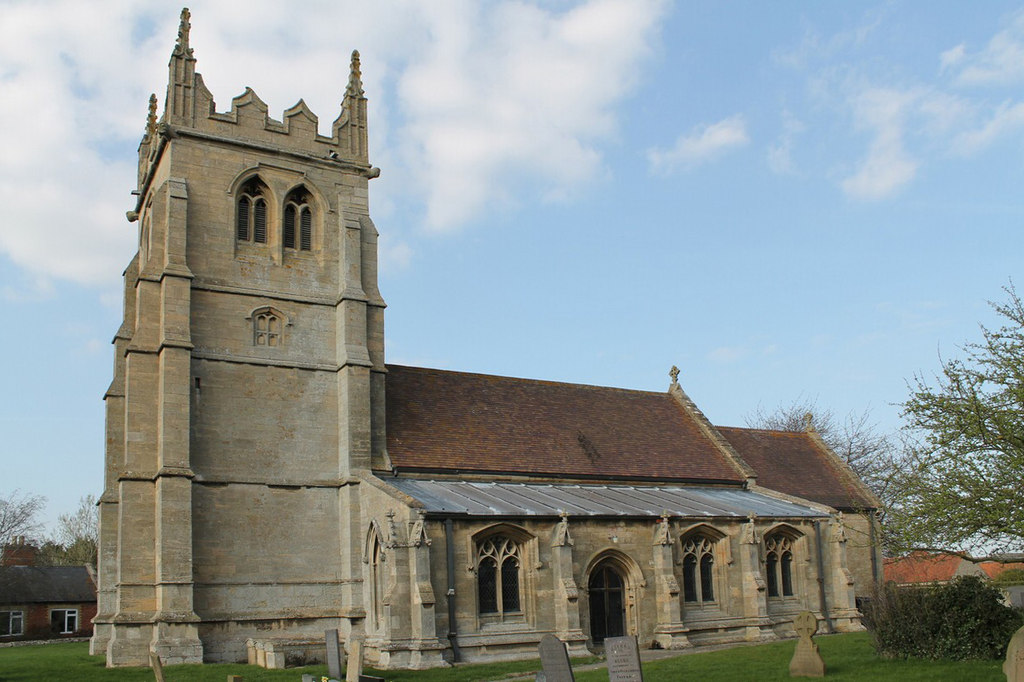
[[190, 105]]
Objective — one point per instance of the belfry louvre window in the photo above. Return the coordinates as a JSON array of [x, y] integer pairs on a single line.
[[779, 565], [698, 569], [251, 213], [298, 220], [498, 562]]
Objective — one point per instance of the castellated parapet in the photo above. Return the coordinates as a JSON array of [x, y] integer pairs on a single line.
[[247, 397]]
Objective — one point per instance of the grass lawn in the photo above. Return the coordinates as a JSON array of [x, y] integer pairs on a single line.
[[847, 657]]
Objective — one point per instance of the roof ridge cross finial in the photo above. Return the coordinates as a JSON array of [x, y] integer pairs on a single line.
[[674, 373]]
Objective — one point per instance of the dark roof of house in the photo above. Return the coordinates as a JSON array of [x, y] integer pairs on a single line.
[[796, 463], [444, 421], [46, 584]]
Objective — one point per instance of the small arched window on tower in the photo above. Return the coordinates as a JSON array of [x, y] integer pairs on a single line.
[[251, 213], [298, 220], [266, 328]]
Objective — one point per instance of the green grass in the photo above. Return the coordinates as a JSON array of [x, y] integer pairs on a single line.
[[847, 657]]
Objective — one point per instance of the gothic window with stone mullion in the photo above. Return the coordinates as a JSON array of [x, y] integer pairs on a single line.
[[298, 221], [251, 212], [779, 565], [698, 569], [498, 584]]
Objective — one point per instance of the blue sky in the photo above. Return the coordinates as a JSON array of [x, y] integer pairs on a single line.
[[787, 200]]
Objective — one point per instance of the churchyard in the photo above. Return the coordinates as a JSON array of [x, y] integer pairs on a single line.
[[848, 657]]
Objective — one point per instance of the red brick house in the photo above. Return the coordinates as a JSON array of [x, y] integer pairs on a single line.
[[44, 602]]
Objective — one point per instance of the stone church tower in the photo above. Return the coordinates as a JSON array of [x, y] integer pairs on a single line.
[[247, 399]]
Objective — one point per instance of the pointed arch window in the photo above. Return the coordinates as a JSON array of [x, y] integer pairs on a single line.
[[377, 577], [779, 565], [499, 560], [698, 569], [251, 212], [298, 220]]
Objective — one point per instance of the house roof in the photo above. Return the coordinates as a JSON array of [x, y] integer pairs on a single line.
[[796, 463], [46, 584], [993, 569], [928, 567], [443, 421], [477, 498]]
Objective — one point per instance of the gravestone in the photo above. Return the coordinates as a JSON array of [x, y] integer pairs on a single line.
[[623, 655], [355, 659], [806, 659], [157, 666], [554, 659], [1014, 665], [334, 655]]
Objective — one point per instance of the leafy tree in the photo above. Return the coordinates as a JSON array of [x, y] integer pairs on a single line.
[[19, 515], [75, 541], [963, 483]]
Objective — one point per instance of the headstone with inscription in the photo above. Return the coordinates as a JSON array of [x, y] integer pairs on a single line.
[[623, 656], [554, 659], [334, 655], [1014, 665], [806, 659]]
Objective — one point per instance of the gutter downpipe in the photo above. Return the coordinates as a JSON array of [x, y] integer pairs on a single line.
[[821, 578], [449, 544]]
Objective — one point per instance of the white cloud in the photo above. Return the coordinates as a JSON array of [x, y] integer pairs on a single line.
[[702, 144], [952, 57], [780, 154], [1007, 118], [472, 104], [727, 354], [1001, 62], [887, 166]]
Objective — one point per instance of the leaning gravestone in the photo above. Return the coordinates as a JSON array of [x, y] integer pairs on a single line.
[[1014, 665], [623, 656], [334, 656], [554, 659], [806, 659], [157, 666]]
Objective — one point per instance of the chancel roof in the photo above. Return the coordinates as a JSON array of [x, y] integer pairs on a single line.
[[796, 463], [454, 422], [478, 498]]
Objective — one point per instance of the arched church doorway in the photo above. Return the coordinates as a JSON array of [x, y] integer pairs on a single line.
[[607, 591]]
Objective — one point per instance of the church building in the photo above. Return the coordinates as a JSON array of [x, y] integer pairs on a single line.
[[268, 476]]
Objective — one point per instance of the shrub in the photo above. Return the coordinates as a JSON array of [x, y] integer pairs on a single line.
[[1012, 576], [963, 620]]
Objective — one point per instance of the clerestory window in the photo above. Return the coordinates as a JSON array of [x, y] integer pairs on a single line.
[[498, 576], [251, 212], [298, 220], [698, 569]]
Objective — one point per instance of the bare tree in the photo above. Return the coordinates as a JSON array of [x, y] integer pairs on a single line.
[[76, 537], [19, 515]]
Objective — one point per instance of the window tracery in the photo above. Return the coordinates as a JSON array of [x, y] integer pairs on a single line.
[[499, 562], [779, 565], [698, 569]]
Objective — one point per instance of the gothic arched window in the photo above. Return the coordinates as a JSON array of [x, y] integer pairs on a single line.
[[779, 565], [698, 569], [251, 212], [298, 220], [266, 328], [377, 578], [497, 572]]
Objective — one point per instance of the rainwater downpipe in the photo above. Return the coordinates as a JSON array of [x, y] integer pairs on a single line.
[[449, 544], [821, 578]]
